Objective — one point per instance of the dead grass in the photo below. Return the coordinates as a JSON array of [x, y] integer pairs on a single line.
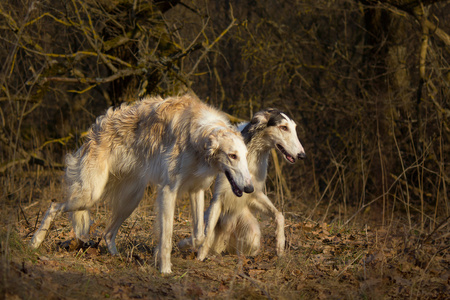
[[325, 261]]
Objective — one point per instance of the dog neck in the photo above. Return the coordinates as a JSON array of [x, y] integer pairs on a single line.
[[258, 155]]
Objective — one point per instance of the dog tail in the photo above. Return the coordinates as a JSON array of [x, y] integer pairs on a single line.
[[81, 223], [80, 218]]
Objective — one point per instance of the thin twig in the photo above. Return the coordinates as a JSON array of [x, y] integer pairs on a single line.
[[348, 265], [117, 75], [37, 220], [209, 47]]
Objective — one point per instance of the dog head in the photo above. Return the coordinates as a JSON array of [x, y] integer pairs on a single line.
[[278, 130], [227, 149]]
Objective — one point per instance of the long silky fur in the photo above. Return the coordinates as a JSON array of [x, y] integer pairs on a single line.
[[230, 221], [178, 144]]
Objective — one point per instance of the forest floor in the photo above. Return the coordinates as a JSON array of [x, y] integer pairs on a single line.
[[323, 260]]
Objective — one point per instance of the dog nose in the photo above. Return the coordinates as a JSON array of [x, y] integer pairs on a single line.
[[301, 155], [249, 189]]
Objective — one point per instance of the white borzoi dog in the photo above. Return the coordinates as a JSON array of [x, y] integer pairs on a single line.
[[178, 144], [231, 224]]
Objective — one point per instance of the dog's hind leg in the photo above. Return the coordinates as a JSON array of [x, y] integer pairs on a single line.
[[246, 238], [197, 210], [224, 228], [166, 209], [81, 197], [54, 210], [211, 216], [125, 197]]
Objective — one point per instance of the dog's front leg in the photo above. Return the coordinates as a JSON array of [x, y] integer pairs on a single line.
[[265, 205], [281, 238], [166, 210], [211, 216], [198, 208]]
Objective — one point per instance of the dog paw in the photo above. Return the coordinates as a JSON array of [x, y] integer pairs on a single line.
[[280, 250], [185, 244], [34, 245], [166, 270], [112, 249], [201, 255], [37, 239]]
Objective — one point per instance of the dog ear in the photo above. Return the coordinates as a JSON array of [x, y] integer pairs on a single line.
[[211, 146], [274, 116], [259, 121]]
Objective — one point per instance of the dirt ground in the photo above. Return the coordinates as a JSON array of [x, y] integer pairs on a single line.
[[323, 259]]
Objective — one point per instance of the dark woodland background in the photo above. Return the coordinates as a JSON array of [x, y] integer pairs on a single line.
[[367, 81]]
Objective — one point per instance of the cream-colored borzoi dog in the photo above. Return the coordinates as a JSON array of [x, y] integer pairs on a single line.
[[178, 144], [231, 223]]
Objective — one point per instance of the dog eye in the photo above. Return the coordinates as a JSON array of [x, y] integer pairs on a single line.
[[284, 128], [232, 156]]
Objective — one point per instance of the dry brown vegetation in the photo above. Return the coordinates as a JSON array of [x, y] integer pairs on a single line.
[[367, 214]]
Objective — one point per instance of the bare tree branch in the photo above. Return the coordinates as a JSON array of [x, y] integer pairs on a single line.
[[117, 75]]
